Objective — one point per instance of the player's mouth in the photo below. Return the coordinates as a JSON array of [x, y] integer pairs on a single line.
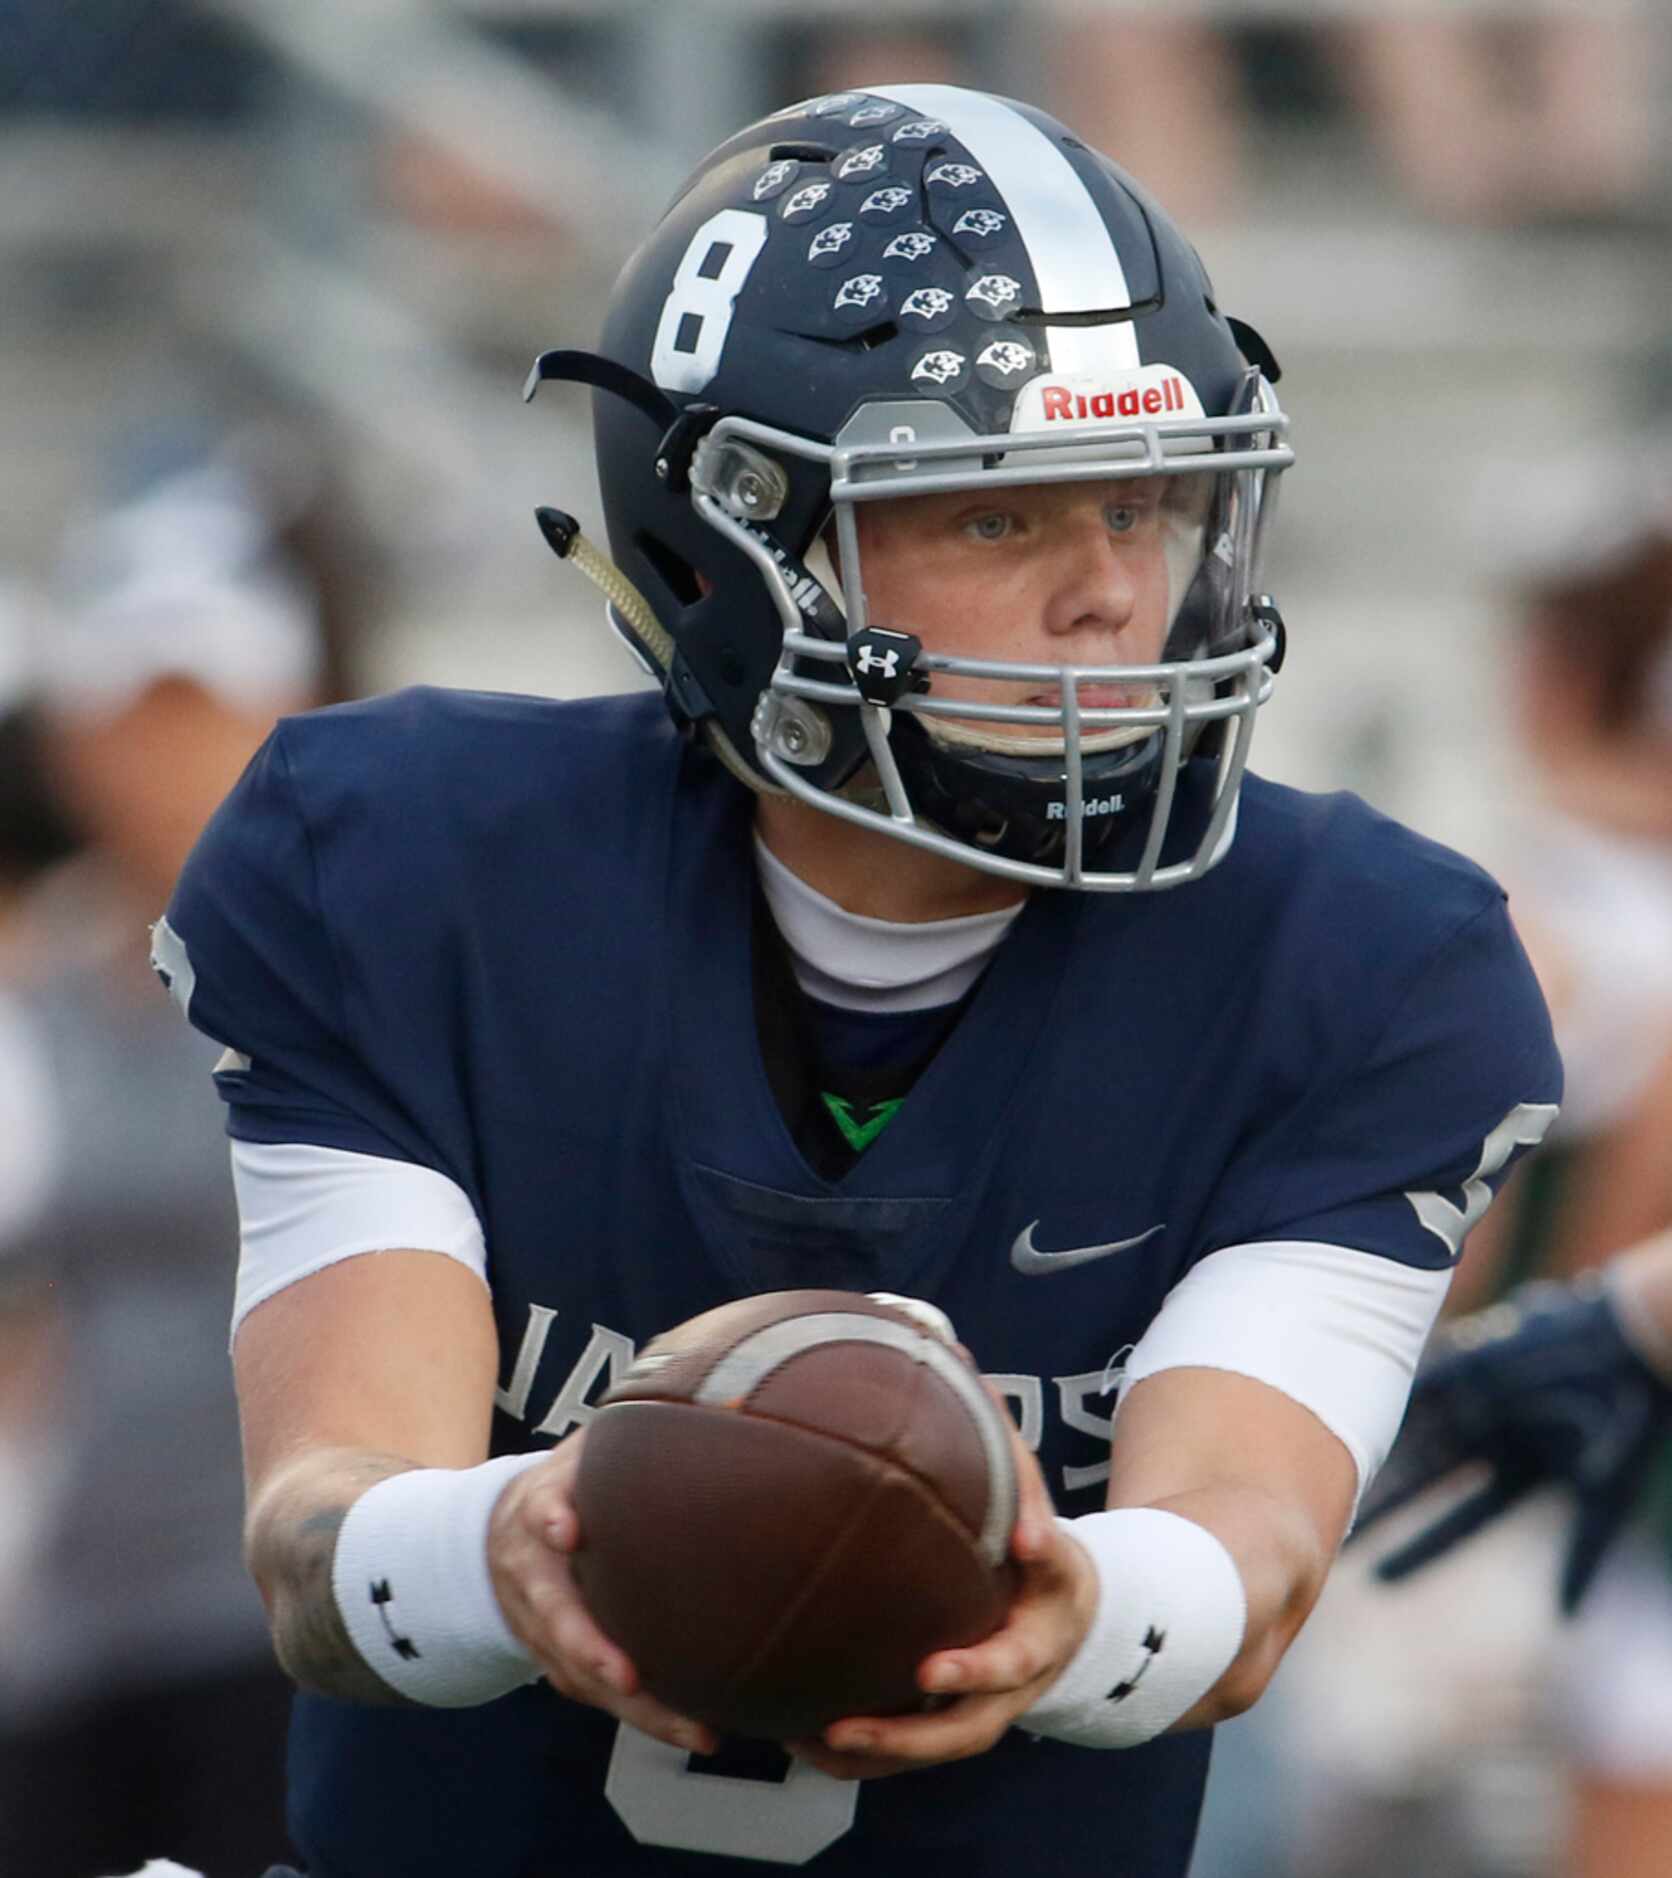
[[1098, 697]]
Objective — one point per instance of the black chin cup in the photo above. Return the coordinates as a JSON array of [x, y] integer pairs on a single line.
[[1017, 806]]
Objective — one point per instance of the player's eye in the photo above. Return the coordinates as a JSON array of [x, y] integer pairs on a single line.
[[1123, 518], [995, 526]]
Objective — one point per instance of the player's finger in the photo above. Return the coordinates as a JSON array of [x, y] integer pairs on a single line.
[[604, 1678], [1479, 1510], [1012, 1659], [576, 1638], [546, 1503], [1034, 1643], [651, 1717], [847, 1766], [953, 1732]]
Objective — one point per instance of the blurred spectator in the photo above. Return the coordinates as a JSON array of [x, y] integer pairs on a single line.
[[1499, 118], [1595, 699], [1592, 868], [866, 50], [33, 833], [140, 1710], [1164, 96]]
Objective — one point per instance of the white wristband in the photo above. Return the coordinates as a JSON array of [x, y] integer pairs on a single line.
[[411, 1580], [1170, 1616]]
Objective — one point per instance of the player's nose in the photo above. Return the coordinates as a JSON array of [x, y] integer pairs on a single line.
[[1094, 585]]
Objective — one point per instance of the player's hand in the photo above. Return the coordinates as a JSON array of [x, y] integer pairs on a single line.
[[1542, 1389], [981, 1689], [531, 1536]]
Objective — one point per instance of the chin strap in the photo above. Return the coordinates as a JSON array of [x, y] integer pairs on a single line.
[[563, 536]]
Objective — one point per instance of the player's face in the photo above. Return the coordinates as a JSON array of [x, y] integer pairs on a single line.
[[1044, 573]]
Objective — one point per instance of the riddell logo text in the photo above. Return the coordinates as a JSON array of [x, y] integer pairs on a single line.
[[1094, 805], [1151, 401]]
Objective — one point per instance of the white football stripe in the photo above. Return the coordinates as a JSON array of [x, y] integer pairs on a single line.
[[1068, 246]]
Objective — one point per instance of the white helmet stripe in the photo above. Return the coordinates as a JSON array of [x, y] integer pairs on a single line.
[[1073, 259]]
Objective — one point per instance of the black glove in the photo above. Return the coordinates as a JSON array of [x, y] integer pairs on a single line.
[[1543, 1389]]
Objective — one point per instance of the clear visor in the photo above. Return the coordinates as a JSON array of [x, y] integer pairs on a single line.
[[1111, 570]]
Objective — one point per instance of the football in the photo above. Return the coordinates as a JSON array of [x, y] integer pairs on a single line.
[[787, 1503]]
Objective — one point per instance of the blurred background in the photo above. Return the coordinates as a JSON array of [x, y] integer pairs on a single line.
[[273, 275]]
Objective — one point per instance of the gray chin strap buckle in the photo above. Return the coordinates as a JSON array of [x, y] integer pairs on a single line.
[[793, 730]]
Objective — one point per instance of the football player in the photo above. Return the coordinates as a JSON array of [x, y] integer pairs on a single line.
[[926, 934]]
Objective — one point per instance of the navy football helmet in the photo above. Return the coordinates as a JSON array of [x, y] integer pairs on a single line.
[[905, 291]]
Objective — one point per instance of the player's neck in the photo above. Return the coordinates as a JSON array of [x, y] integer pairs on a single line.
[[873, 874]]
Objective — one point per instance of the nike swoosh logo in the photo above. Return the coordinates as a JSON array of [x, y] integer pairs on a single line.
[[1028, 1259]]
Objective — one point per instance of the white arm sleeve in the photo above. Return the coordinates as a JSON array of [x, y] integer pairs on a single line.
[[1335, 1329], [301, 1208]]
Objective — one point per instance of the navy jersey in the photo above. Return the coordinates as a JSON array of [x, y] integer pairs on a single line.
[[510, 939]]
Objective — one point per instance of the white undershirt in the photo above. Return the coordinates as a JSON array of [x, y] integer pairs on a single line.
[[864, 964]]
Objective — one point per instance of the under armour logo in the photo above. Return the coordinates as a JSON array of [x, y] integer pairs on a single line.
[[881, 662], [1153, 1644], [382, 1596]]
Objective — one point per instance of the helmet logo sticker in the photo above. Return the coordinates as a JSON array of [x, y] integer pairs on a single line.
[[836, 101], [984, 224], [954, 175], [879, 111], [1004, 361], [934, 306], [1149, 391], [825, 249], [920, 130], [860, 290], [775, 177], [942, 368], [1059, 402], [865, 161], [993, 295], [912, 246], [805, 202], [886, 202]]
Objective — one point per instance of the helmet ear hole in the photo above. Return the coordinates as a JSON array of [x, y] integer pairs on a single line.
[[676, 573]]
